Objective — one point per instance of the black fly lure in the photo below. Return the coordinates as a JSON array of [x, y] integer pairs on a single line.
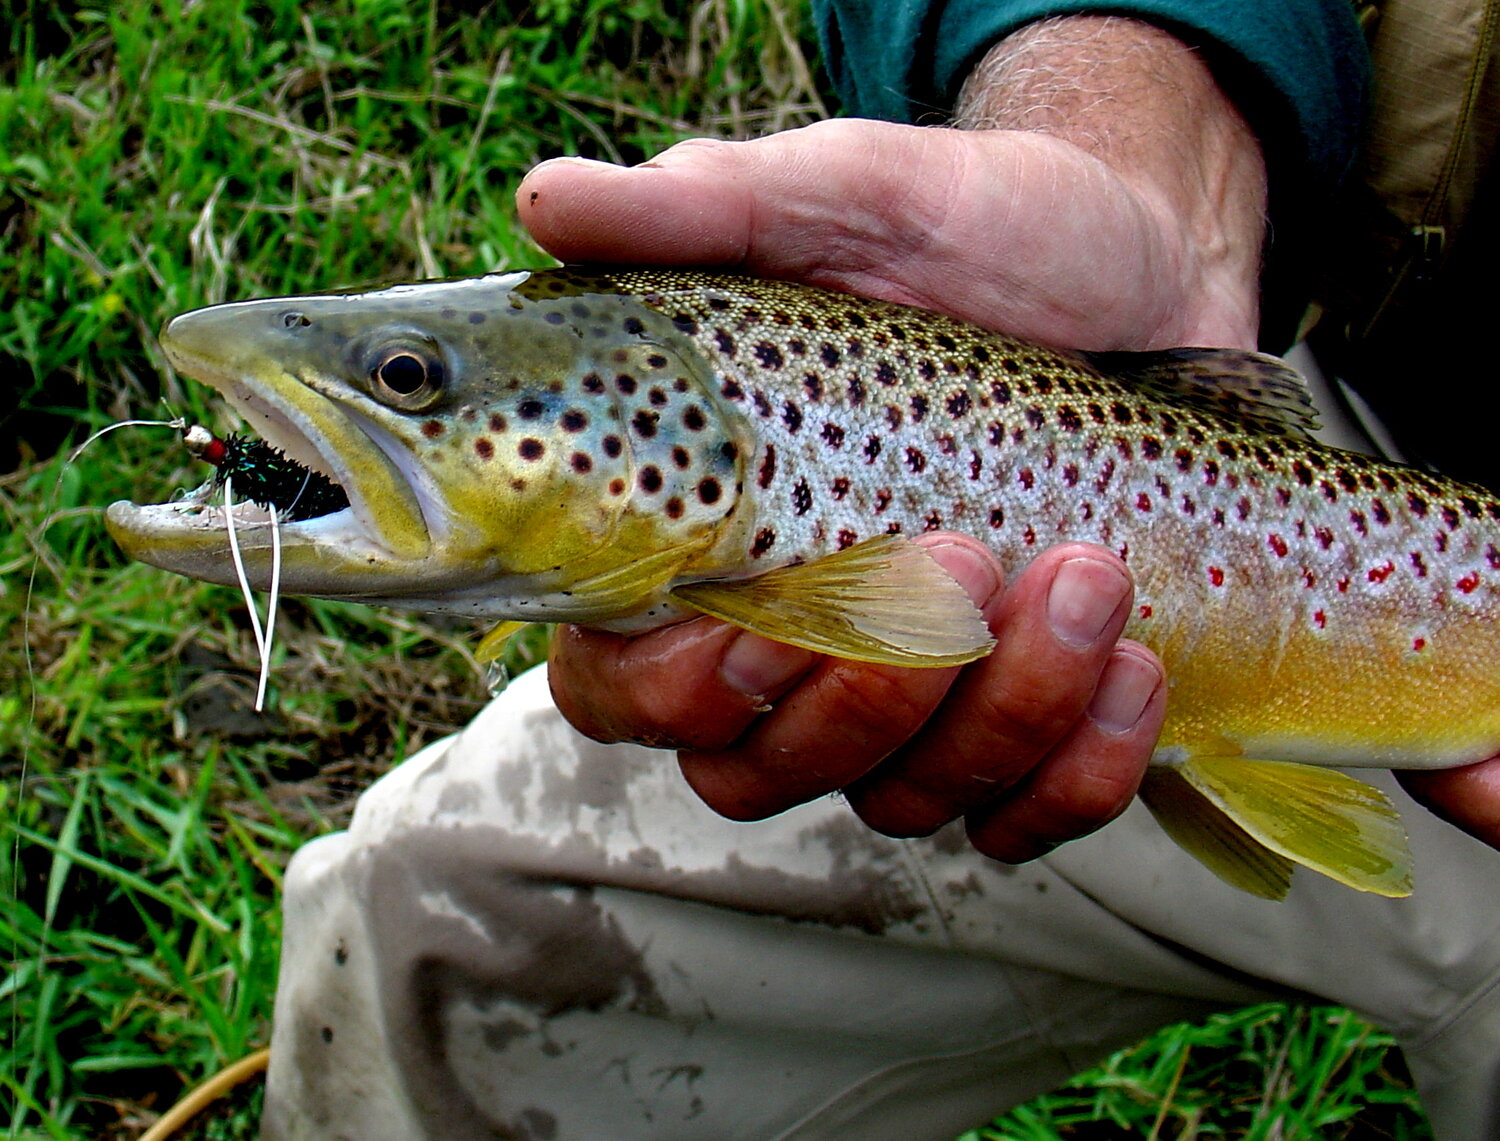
[[266, 475]]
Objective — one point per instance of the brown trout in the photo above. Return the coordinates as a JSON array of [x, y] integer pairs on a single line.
[[622, 448]]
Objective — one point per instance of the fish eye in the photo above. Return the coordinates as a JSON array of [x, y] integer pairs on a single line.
[[406, 376]]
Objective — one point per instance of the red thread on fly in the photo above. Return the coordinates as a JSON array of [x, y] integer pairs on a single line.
[[266, 475]]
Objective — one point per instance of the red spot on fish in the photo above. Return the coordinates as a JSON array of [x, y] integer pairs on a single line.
[[1320, 620], [1469, 583], [1216, 576], [1145, 611], [1418, 645], [1381, 573], [432, 429], [1343, 585], [1278, 544], [1143, 502]]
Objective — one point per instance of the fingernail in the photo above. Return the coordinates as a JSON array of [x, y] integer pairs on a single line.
[[758, 667], [1084, 597], [1125, 689], [970, 569]]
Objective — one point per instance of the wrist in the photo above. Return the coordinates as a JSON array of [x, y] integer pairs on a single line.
[[1146, 107]]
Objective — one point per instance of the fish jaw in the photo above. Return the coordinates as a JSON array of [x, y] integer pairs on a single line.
[[373, 543]]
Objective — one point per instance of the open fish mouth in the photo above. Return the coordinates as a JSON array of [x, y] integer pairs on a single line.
[[343, 501]]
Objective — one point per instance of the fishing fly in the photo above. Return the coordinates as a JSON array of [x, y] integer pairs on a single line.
[[287, 490], [266, 475]]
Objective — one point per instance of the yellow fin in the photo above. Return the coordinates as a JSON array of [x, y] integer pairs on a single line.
[[1221, 845], [885, 600], [492, 645], [1320, 818]]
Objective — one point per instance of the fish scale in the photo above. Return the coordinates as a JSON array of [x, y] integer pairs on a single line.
[[627, 447], [868, 427]]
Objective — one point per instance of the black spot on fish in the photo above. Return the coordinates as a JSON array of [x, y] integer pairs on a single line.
[[650, 479], [625, 383], [769, 355], [531, 449], [765, 539], [497, 422], [918, 408], [725, 342], [657, 397], [802, 497], [582, 462], [612, 446], [833, 435], [633, 326], [680, 457], [915, 460], [483, 448], [839, 488], [812, 384], [791, 416], [958, 404], [593, 382], [872, 448], [686, 322], [692, 418], [885, 373], [767, 471], [476, 318], [554, 318], [829, 355], [709, 491], [574, 420], [673, 508], [644, 423]]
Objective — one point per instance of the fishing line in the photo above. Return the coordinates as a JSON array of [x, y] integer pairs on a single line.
[[264, 635], [36, 538]]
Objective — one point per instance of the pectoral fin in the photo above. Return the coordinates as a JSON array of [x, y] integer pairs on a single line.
[[492, 645], [885, 600], [1316, 817]]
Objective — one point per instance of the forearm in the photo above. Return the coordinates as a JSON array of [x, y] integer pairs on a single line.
[[1148, 107]]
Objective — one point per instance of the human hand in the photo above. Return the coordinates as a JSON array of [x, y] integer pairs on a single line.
[[1047, 238], [1468, 797]]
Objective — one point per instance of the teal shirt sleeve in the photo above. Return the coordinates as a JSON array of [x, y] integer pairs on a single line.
[[1298, 69]]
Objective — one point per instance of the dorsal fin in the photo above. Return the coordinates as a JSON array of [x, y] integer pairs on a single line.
[[1260, 391]]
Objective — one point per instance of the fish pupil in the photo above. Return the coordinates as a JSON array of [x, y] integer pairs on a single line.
[[402, 373]]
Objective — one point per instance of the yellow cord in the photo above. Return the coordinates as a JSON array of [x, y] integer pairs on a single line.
[[216, 1087]]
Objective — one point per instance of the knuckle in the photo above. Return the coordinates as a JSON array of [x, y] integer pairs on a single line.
[[884, 705]]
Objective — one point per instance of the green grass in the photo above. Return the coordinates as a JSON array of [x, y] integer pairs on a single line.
[[157, 156]]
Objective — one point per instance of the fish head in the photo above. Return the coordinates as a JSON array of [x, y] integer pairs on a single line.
[[514, 445]]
